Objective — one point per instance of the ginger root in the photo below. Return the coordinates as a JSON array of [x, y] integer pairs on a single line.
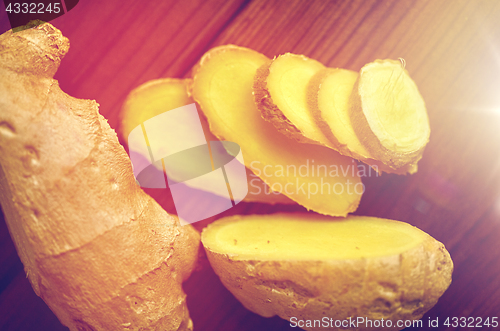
[[99, 251]]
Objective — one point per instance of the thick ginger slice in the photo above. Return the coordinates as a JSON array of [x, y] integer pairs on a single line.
[[329, 100], [280, 90], [389, 115], [161, 95], [222, 86]]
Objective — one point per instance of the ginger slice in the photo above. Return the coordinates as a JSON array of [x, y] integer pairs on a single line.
[[160, 95], [329, 94], [305, 266], [389, 114], [280, 90], [310, 237], [317, 178], [330, 90], [150, 99]]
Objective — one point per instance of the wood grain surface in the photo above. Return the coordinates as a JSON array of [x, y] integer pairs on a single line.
[[452, 51]]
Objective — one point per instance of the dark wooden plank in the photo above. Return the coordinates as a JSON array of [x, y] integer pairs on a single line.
[[452, 51], [21, 309], [10, 265], [118, 45]]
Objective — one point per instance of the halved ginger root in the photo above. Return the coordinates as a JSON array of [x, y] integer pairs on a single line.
[[160, 95], [304, 266], [317, 178], [280, 90], [388, 114], [99, 251], [329, 93]]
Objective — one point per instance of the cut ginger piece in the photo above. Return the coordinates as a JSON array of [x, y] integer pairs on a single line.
[[389, 115], [305, 266], [329, 94], [150, 99], [280, 91], [160, 95], [320, 179]]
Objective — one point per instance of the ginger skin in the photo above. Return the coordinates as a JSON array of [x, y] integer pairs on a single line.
[[99, 251]]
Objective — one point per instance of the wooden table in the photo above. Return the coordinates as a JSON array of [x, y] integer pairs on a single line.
[[452, 51]]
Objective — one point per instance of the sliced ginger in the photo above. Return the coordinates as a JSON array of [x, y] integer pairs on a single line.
[[311, 103], [329, 100], [160, 95], [329, 93], [389, 114], [222, 86], [280, 90], [310, 237], [304, 266], [150, 99]]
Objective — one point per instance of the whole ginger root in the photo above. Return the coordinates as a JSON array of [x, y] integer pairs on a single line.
[[99, 251]]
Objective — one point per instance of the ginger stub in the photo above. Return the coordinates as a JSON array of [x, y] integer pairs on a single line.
[[307, 266], [389, 115], [222, 86]]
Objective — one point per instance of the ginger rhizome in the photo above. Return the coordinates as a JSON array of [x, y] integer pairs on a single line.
[[99, 251]]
